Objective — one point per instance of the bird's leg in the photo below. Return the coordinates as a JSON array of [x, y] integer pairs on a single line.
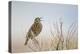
[[33, 35], [35, 41]]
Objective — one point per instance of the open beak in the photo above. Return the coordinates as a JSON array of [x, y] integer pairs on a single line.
[[41, 19]]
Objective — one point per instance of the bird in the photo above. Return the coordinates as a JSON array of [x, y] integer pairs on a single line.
[[34, 30]]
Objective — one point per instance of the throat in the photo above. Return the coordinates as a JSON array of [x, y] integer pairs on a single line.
[[36, 22]]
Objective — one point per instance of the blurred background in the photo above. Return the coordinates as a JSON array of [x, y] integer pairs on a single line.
[[23, 15]]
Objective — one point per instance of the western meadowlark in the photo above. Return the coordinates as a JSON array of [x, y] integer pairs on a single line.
[[34, 30]]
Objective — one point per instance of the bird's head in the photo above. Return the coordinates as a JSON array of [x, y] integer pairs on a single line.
[[37, 20]]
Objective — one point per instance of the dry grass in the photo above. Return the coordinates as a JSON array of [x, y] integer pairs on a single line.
[[58, 40]]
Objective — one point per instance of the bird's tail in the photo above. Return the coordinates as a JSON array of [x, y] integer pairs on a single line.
[[26, 41]]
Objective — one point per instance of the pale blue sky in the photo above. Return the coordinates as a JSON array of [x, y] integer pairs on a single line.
[[24, 13]]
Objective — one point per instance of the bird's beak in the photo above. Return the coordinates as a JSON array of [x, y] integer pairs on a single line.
[[41, 19]]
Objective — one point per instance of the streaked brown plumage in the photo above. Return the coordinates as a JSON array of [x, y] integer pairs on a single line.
[[34, 30]]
